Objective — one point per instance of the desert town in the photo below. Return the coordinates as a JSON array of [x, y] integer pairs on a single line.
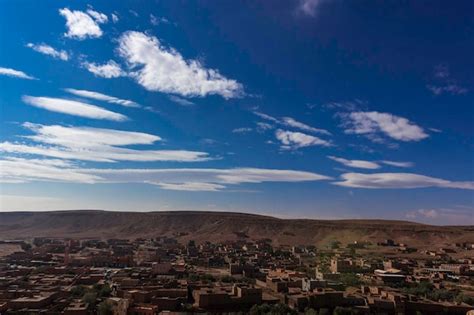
[[162, 276]]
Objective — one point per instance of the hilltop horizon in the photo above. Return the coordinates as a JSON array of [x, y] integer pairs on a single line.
[[267, 215]]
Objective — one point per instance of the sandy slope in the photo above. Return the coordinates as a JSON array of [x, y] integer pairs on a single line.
[[217, 226]]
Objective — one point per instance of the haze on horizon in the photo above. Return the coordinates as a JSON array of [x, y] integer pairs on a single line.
[[326, 109]]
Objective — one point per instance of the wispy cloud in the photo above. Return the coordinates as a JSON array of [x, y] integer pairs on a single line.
[[398, 180], [102, 97], [448, 88], [115, 18], [295, 140], [347, 106], [15, 73], [25, 170], [191, 186], [184, 179], [81, 25], [444, 83], [223, 177], [108, 70], [373, 124], [180, 101], [399, 163], [98, 17], [158, 68], [74, 108], [310, 7], [242, 130], [50, 51], [267, 117], [95, 144], [355, 163], [292, 123], [157, 20]]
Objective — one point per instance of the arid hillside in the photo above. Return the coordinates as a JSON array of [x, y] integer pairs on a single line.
[[219, 226]]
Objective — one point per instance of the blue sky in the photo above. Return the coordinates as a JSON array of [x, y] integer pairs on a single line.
[[325, 109]]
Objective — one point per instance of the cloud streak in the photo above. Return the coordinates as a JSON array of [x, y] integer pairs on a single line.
[[95, 144], [73, 108], [292, 123], [184, 179], [15, 73], [49, 51], [356, 163], [398, 164], [102, 97], [398, 180]]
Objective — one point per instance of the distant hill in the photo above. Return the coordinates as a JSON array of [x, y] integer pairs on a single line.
[[219, 226]]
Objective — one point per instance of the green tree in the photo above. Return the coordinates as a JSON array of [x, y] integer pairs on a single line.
[[350, 279], [89, 297], [324, 311], [78, 291], [105, 291], [310, 311], [342, 311], [228, 279], [105, 308]]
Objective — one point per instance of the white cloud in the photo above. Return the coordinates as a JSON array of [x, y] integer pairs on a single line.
[[208, 179], [356, 163], [181, 101], [99, 17], [261, 126], [74, 108], [188, 179], [444, 83], [452, 88], [23, 170], [50, 51], [398, 180], [15, 73], [81, 25], [310, 7], [191, 186], [267, 117], [87, 137], [372, 124], [348, 106], [108, 70], [291, 122], [102, 97], [95, 144], [399, 164], [115, 18], [162, 69], [242, 130], [296, 140], [288, 121], [157, 20]]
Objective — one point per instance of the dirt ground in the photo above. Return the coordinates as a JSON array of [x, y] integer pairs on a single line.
[[7, 249]]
